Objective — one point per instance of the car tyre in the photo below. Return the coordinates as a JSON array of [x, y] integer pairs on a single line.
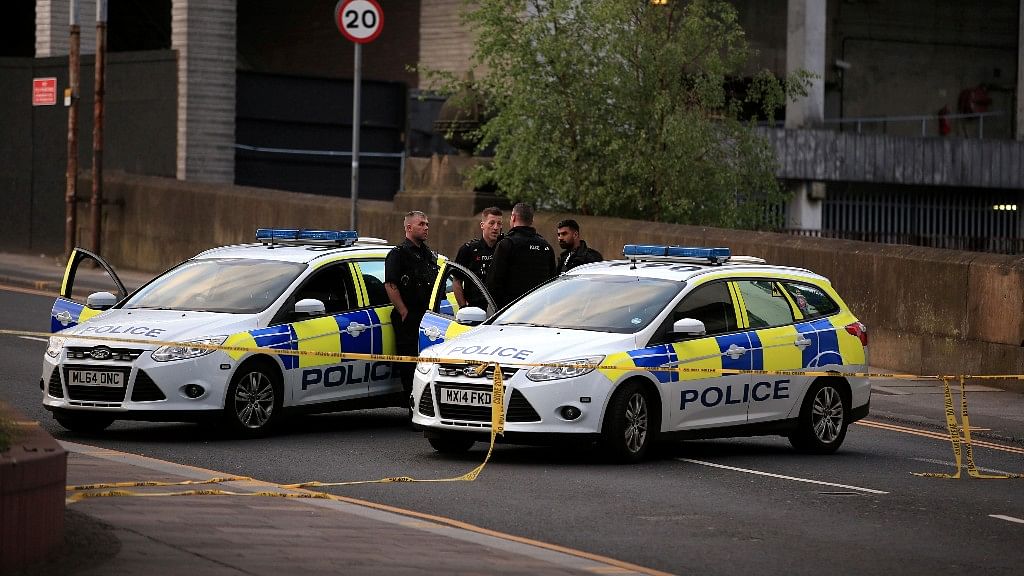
[[824, 418], [83, 422], [252, 405], [451, 444], [629, 424]]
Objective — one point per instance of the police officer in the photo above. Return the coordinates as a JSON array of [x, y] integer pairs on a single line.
[[574, 249], [409, 273], [522, 260], [476, 255]]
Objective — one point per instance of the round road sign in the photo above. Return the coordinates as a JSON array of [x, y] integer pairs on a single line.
[[359, 20]]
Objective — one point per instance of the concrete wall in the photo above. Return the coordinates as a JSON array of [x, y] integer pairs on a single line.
[[929, 311]]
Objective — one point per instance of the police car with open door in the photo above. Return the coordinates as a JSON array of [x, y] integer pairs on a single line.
[[293, 291], [621, 330]]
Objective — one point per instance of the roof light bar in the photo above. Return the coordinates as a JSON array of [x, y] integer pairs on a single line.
[[713, 255], [270, 235]]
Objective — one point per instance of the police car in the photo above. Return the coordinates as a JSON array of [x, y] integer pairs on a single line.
[[293, 290], [618, 333]]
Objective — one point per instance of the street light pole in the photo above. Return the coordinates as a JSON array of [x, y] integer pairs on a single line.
[[96, 201], [71, 186]]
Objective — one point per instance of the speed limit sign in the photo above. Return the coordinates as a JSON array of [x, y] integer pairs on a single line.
[[359, 20]]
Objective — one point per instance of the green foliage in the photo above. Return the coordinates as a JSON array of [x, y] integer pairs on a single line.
[[621, 108]]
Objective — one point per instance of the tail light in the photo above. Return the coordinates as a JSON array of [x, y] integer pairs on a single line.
[[859, 330]]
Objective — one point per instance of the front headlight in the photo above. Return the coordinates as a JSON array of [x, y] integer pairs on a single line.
[[424, 367], [54, 347], [568, 369], [184, 351]]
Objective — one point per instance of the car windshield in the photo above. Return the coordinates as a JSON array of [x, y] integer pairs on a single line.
[[239, 286], [619, 304]]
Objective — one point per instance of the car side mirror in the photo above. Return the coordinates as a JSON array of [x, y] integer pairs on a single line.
[[310, 307], [101, 300], [688, 327], [470, 316]]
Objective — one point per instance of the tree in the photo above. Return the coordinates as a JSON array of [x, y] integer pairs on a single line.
[[621, 108]]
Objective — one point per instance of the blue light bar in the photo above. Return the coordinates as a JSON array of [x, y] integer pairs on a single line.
[[289, 234], [714, 255]]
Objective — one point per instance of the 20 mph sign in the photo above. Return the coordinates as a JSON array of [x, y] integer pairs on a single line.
[[361, 21]]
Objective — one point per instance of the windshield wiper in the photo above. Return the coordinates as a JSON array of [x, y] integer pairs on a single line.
[[523, 324]]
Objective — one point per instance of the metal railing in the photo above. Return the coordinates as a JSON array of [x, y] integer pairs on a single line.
[[983, 221], [923, 120]]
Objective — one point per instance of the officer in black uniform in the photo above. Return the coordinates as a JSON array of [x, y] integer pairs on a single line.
[[409, 273], [476, 255], [522, 261], [574, 249]]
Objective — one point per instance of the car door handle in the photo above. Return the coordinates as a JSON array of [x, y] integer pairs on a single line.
[[354, 329], [802, 343], [735, 351]]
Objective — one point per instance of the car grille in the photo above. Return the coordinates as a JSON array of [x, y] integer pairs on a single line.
[[103, 353], [54, 388], [427, 402], [96, 393], [520, 409], [460, 370], [145, 390]]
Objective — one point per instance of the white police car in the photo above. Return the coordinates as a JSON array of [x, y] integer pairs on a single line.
[[294, 290], [661, 308]]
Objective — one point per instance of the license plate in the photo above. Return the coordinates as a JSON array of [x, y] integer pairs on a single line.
[[96, 378], [465, 397]]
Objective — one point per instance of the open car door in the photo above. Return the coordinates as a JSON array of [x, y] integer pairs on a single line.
[[70, 310], [439, 323]]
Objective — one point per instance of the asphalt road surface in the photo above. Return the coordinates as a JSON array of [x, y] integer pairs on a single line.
[[701, 507]]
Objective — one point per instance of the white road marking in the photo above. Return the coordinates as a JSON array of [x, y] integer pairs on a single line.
[[780, 476], [1007, 518], [962, 466], [33, 338]]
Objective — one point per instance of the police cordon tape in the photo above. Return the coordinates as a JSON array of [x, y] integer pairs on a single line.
[[497, 410]]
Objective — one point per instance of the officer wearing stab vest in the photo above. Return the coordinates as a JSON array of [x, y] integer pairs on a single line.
[[523, 259], [476, 255], [409, 273]]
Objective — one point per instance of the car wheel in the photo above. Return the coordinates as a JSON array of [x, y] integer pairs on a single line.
[[253, 401], [83, 422], [451, 444], [823, 420], [628, 429]]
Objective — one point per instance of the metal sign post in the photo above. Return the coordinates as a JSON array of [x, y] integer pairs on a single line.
[[361, 21]]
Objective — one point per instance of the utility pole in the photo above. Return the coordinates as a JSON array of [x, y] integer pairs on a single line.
[[96, 201], [71, 186]]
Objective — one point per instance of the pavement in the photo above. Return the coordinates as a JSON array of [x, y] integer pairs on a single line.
[[261, 534]]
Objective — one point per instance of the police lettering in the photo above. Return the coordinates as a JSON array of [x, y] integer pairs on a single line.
[[111, 329], [515, 353], [346, 374], [713, 395]]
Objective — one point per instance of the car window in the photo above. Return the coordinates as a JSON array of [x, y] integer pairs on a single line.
[[812, 301], [712, 305], [233, 285], [766, 305], [331, 285], [373, 278], [619, 304]]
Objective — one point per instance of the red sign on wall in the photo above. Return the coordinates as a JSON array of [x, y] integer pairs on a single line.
[[44, 91]]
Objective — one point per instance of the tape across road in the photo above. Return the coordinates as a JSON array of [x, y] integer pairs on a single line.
[[959, 433]]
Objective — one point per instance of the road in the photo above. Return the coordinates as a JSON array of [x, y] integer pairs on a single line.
[[707, 507]]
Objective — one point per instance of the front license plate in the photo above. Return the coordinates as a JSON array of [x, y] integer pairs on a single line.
[[96, 378], [465, 397]]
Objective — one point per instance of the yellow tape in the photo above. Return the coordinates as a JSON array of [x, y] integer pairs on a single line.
[[955, 429], [148, 483]]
